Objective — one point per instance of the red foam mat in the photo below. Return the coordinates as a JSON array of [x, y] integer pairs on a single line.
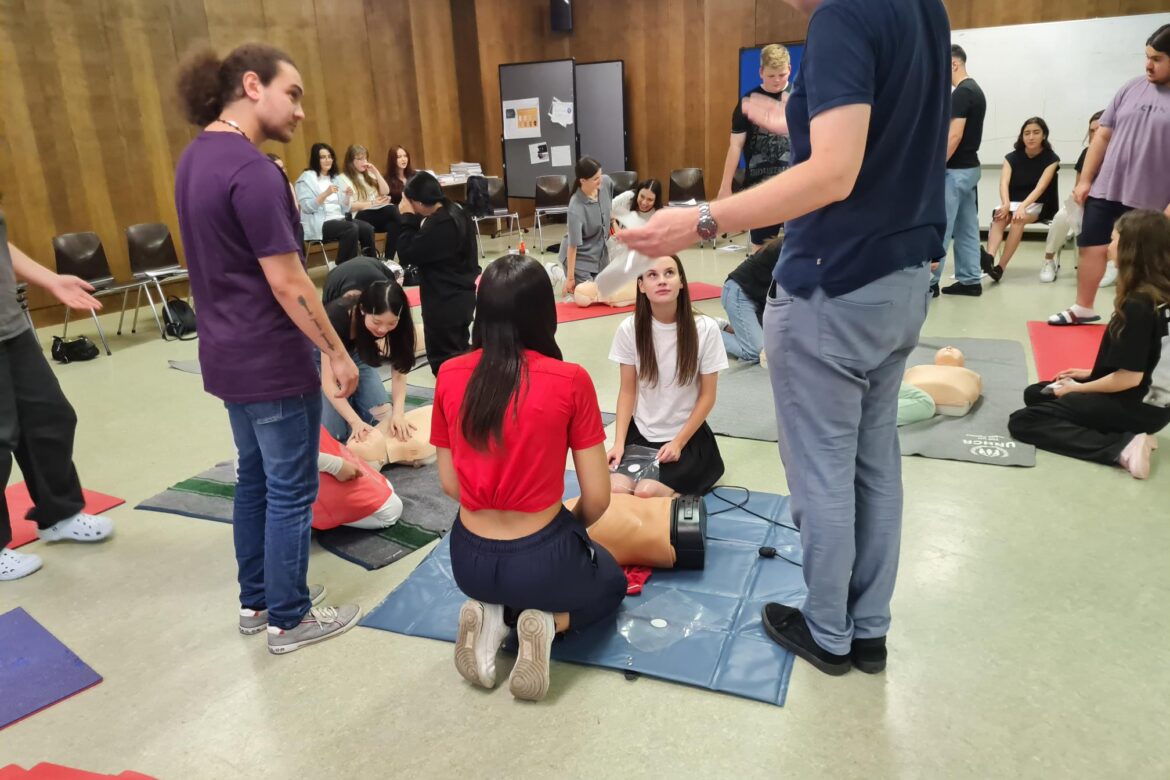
[[19, 502], [1057, 347], [571, 312]]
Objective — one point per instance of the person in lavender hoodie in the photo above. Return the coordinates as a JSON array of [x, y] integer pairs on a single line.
[[259, 319]]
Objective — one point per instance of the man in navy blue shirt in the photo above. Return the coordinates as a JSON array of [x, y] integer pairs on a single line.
[[864, 211]]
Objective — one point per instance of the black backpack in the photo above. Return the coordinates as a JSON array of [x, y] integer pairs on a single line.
[[178, 319], [478, 202], [80, 348]]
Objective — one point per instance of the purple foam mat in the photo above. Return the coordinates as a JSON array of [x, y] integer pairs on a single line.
[[36, 669]]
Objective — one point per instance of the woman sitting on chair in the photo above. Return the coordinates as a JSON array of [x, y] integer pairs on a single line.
[[325, 200], [1028, 191], [371, 200]]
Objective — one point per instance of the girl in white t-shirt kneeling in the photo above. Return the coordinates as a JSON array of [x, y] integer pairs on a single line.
[[670, 360]]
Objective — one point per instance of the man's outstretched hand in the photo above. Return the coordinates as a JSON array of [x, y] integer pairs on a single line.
[[74, 292]]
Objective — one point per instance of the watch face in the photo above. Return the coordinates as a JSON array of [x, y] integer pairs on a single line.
[[707, 227]]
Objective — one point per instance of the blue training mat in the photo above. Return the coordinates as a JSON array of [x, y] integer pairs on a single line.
[[36, 669], [712, 636]]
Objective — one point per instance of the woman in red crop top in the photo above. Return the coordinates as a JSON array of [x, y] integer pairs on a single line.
[[505, 415]]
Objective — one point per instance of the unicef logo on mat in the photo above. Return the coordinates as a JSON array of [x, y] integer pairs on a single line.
[[993, 447]]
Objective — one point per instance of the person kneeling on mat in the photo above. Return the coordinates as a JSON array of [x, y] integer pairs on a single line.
[[1109, 413], [670, 360], [375, 327], [505, 414], [743, 298]]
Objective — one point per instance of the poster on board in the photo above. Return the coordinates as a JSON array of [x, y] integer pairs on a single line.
[[521, 118]]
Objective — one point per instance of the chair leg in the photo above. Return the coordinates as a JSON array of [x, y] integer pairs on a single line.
[[153, 310], [137, 306], [539, 236], [65, 329], [122, 316], [478, 239], [101, 333]]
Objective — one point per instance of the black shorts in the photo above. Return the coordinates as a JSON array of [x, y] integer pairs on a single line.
[[699, 465], [761, 236], [556, 569], [1097, 224]]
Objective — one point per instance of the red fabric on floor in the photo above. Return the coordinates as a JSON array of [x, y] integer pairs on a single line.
[[571, 312], [1057, 347], [636, 577], [25, 531]]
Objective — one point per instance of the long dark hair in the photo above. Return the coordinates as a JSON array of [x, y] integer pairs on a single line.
[[1160, 39], [391, 172], [206, 83], [1096, 115], [586, 168], [315, 159], [1033, 120], [1143, 261], [654, 186], [514, 311], [688, 335], [397, 346]]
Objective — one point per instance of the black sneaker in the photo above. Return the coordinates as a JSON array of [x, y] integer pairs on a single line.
[[787, 628], [958, 288], [986, 260], [869, 655], [934, 290], [995, 272]]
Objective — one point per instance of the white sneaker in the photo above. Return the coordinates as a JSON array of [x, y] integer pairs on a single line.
[[535, 631], [481, 632], [79, 528], [556, 275], [723, 324], [1049, 271], [14, 565], [1110, 277]]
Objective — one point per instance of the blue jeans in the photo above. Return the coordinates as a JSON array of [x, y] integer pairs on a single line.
[[836, 366], [962, 195], [371, 392], [277, 444], [742, 313]]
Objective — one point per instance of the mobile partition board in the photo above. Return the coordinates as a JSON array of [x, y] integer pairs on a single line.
[[601, 109], [538, 112]]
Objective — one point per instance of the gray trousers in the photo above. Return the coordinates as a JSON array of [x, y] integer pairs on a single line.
[[836, 365]]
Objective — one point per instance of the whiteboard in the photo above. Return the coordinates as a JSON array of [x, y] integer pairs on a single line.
[[1060, 71]]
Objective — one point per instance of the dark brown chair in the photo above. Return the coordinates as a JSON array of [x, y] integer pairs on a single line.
[[623, 181], [498, 203], [153, 262], [686, 184], [552, 199], [82, 255]]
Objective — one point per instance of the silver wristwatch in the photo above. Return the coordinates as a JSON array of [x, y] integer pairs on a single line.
[[707, 228]]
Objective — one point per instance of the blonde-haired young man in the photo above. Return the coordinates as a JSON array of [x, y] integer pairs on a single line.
[[766, 153]]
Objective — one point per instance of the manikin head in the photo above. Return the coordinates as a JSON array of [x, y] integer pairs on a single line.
[[949, 356], [586, 294]]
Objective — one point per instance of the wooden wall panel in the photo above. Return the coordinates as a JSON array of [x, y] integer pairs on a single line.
[[90, 130]]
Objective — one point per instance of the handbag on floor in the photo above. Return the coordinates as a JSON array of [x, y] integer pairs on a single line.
[[80, 348], [178, 319]]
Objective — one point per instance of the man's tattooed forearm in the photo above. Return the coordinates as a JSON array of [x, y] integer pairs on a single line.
[[313, 319]]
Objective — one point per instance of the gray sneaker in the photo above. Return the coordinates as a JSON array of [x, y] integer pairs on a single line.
[[534, 633], [318, 624], [254, 621]]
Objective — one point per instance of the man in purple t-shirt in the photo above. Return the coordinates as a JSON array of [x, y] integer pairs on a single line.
[[259, 317], [1125, 168]]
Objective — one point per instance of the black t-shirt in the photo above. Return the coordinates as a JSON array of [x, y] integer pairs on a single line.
[[968, 102], [1139, 348], [754, 275], [765, 154], [1081, 160], [357, 273], [340, 314], [1026, 173]]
